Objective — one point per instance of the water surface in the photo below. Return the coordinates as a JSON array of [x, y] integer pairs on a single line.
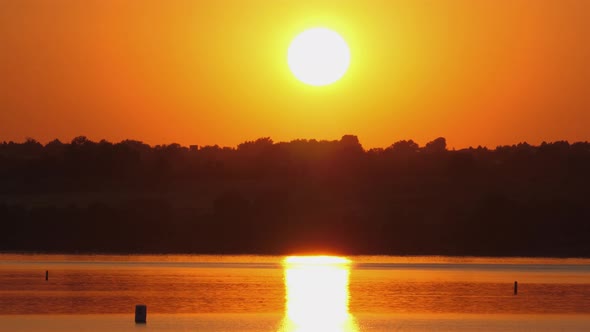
[[260, 293]]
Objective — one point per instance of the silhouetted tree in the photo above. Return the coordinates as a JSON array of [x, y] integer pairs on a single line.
[[267, 197], [436, 146], [405, 147]]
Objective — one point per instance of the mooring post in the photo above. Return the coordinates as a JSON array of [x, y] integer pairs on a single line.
[[515, 287], [140, 314], [46, 275]]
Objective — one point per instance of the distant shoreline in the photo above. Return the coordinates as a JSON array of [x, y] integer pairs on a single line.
[[302, 196], [32, 253]]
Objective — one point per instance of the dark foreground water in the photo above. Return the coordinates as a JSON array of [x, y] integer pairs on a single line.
[[253, 293]]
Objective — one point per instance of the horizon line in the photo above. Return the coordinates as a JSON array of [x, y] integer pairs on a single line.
[[307, 140]]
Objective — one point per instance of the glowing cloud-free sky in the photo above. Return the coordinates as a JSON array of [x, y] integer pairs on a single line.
[[483, 72]]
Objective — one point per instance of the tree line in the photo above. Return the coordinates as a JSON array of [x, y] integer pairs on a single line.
[[264, 197]]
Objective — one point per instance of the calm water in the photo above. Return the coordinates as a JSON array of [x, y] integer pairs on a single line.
[[253, 293]]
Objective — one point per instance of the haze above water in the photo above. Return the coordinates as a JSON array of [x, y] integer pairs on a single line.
[[262, 293]]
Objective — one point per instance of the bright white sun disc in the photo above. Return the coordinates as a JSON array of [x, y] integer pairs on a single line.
[[318, 56]]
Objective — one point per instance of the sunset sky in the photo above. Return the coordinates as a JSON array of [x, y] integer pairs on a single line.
[[486, 72]]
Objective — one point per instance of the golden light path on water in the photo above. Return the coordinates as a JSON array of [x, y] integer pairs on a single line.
[[317, 294]]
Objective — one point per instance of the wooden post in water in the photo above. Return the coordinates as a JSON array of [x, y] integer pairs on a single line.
[[516, 288], [140, 314], [46, 275]]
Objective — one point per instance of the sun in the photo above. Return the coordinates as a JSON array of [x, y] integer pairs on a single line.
[[318, 56]]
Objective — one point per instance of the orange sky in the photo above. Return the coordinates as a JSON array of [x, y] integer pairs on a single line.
[[483, 72]]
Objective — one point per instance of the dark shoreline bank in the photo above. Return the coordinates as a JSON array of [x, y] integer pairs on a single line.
[[276, 198]]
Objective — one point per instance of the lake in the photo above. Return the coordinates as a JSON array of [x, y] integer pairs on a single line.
[[270, 293]]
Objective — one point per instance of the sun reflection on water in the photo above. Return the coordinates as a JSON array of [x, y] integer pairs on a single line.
[[317, 294]]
